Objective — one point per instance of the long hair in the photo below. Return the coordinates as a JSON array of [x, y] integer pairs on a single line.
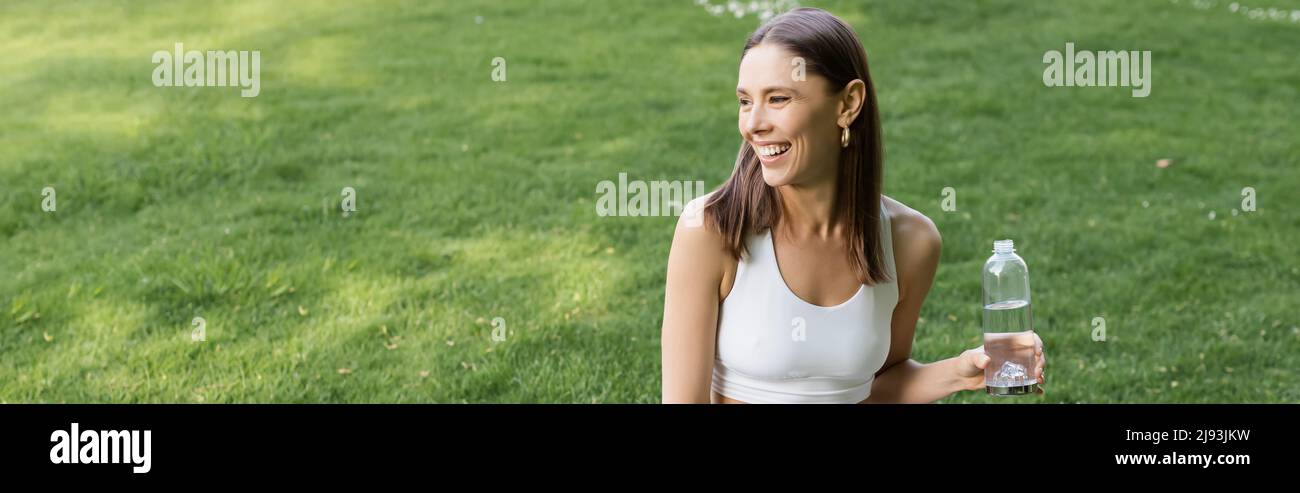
[[746, 205]]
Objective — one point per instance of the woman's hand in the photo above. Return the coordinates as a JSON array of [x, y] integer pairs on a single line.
[[971, 364]]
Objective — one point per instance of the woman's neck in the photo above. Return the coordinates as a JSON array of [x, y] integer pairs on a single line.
[[808, 210]]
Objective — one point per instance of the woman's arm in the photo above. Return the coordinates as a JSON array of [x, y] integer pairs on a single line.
[[917, 246], [691, 297]]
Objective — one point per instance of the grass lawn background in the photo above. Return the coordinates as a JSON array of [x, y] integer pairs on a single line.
[[476, 198]]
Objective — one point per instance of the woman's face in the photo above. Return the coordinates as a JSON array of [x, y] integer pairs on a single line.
[[792, 124]]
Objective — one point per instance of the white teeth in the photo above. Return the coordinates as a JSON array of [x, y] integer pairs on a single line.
[[773, 150]]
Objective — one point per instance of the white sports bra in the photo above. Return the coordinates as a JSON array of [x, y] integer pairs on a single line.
[[774, 347]]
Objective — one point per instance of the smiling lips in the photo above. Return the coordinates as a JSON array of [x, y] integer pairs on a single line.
[[771, 152]]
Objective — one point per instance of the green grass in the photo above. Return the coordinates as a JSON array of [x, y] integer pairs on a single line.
[[476, 199]]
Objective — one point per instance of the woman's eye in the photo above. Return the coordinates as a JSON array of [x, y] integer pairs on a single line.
[[744, 102], [779, 99]]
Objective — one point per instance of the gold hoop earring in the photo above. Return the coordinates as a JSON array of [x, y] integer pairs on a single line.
[[844, 137]]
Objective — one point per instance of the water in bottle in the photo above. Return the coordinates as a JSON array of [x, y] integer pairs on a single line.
[[1008, 324]]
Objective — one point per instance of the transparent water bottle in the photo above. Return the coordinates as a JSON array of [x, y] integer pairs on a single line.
[[1008, 323]]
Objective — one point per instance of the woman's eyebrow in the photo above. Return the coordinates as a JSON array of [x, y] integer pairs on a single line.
[[741, 90]]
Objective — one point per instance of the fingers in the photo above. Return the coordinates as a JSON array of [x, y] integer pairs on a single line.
[[978, 357], [1041, 360]]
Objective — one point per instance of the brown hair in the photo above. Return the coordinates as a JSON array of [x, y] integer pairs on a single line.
[[745, 204]]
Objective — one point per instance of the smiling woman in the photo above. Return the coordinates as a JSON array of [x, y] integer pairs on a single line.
[[803, 283]]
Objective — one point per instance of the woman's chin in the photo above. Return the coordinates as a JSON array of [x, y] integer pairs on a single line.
[[776, 170], [775, 177]]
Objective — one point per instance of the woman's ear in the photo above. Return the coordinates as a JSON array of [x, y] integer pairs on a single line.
[[852, 97]]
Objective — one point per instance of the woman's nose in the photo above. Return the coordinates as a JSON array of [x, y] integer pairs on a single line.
[[757, 120]]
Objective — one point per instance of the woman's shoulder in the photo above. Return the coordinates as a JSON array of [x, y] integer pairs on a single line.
[[699, 252], [909, 222], [693, 212], [917, 243], [695, 233]]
